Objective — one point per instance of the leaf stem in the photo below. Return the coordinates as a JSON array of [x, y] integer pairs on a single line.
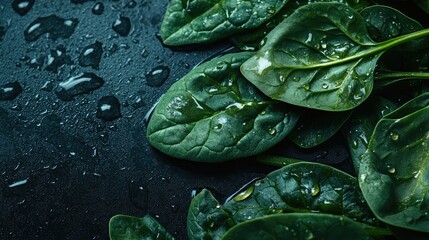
[[402, 75]]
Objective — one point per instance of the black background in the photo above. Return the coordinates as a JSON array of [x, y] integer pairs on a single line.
[[80, 170]]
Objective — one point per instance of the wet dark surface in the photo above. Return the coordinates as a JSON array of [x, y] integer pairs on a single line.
[[71, 157]]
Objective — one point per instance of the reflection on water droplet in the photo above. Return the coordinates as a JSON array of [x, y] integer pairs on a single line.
[[245, 194], [10, 91], [122, 26], [306, 87], [80, 84], [98, 8], [271, 10], [394, 136], [325, 86], [391, 170], [22, 6], [272, 131], [157, 76], [296, 79], [218, 126], [91, 55], [56, 27], [315, 190], [108, 108]]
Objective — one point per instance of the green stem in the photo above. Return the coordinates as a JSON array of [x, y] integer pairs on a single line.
[[402, 75]]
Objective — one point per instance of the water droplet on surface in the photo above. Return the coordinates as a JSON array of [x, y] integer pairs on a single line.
[[122, 26], [325, 86], [271, 10], [22, 7], [108, 108], [315, 189], [132, 4], [80, 84], [245, 194], [98, 8], [391, 170], [57, 58], [18, 183], [157, 76], [296, 79], [394, 136], [306, 87], [218, 126], [91, 55], [272, 131], [10, 91], [57, 27]]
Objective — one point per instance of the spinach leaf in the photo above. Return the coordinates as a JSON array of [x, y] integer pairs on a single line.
[[393, 173], [320, 57], [251, 40], [303, 226], [197, 21], [298, 187], [122, 227], [310, 131], [214, 114], [361, 125]]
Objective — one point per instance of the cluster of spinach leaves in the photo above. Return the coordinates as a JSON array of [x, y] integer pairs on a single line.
[[309, 70]]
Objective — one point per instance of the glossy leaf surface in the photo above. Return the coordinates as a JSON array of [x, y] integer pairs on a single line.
[[320, 57], [394, 172], [302, 226], [214, 114], [311, 131], [298, 187], [359, 128], [122, 227], [197, 21]]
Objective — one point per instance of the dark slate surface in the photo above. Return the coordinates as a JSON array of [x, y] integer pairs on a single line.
[[63, 171]]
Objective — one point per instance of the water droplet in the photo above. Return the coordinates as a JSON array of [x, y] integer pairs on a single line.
[[132, 4], [325, 86], [10, 91], [272, 131], [18, 183], [391, 170], [271, 10], [315, 190], [91, 55], [108, 108], [157, 76], [306, 87], [122, 26], [296, 79], [417, 174], [22, 6], [98, 8], [218, 126], [362, 177], [80, 84], [58, 58], [245, 194], [56, 27], [324, 45], [394, 136]]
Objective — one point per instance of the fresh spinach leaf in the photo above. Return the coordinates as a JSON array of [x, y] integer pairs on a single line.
[[361, 124], [197, 21], [311, 131], [320, 57], [298, 187], [122, 227], [214, 114], [393, 173], [303, 226], [251, 40]]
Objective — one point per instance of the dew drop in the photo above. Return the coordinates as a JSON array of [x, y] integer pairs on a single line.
[[296, 79], [271, 10], [80, 84], [325, 86], [98, 8], [245, 194], [272, 131], [108, 108], [306, 87], [58, 58], [56, 27], [91, 55], [394, 136], [22, 7], [157, 76], [122, 26], [391, 170], [10, 91], [315, 190]]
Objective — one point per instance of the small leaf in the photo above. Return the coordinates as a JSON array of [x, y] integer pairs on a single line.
[[122, 227]]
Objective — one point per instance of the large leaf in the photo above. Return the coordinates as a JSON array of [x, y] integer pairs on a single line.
[[251, 40], [319, 57], [214, 114], [394, 172], [361, 124], [298, 187], [122, 227], [311, 131], [303, 226], [197, 21]]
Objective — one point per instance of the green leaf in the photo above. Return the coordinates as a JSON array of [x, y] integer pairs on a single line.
[[251, 40], [320, 57], [277, 161], [298, 187], [361, 125], [303, 226], [198, 21], [394, 172], [122, 227], [214, 114], [311, 131]]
